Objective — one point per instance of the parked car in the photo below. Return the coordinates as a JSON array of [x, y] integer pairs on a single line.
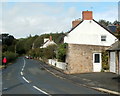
[[29, 57]]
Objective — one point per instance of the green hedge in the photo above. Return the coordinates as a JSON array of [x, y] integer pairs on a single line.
[[61, 52], [9, 55], [105, 64]]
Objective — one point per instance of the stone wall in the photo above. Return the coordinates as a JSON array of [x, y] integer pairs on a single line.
[[80, 58]]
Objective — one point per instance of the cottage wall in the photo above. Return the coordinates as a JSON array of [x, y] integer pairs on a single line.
[[80, 58]]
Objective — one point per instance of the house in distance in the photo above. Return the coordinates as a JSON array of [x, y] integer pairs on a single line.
[[48, 42], [86, 42]]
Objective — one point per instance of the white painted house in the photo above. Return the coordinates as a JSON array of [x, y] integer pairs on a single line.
[[48, 42], [86, 41]]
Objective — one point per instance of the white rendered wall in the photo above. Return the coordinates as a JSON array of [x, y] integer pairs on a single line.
[[48, 43], [60, 65], [89, 33]]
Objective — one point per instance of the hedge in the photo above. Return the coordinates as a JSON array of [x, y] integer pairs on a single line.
[[9, 55]]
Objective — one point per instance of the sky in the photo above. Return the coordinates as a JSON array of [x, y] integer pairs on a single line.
[[22, 18]]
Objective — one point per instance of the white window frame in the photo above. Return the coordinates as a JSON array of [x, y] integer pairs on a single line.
[[103, 38]]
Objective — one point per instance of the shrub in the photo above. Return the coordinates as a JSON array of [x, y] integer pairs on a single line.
[[105, 64], [9, 55], [49, 52], [37, 52], [61, 52]]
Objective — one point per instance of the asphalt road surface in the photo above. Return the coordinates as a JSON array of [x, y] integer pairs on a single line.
[[26, 76]]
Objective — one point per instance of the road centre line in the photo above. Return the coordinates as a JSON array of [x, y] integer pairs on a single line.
[[25, 79], [29, 81], [21, 73], [40, 90], [22, 69], [24, 64], [24, 61]]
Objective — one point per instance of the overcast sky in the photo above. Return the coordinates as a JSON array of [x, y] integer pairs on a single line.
[[24, 18]]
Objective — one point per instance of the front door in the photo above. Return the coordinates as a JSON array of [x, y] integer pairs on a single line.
[[112, 62], [97, 66]]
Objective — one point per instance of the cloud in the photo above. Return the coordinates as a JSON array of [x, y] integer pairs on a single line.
[[32, 18], [22, 19], [109, 15]]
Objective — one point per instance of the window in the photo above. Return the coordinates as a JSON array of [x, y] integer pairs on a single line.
[[97, 58], [103, 38]]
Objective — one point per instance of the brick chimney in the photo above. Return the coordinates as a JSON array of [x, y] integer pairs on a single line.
[[50, 38], [87, 15], [75, 23]]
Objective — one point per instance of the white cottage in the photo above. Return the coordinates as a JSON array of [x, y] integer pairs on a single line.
[[86, 41], [48, 42]]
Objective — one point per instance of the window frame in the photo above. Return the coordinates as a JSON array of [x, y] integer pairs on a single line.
[[96, 58], [103, 38]]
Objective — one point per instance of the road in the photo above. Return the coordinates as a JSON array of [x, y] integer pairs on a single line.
[[27, 76]]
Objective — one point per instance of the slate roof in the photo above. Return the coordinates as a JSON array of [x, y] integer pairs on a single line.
[[115, 46]]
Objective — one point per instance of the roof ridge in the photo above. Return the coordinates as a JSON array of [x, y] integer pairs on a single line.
[[104, 28]]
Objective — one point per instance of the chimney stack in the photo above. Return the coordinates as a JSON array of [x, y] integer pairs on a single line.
[[87, 15], [75, 23], [50, 38]]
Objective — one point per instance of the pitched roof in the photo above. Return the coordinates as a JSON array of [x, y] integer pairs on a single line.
[[97, 23], [115, 46], [89, 32], [104, 28], [75, 27], [47, 43]]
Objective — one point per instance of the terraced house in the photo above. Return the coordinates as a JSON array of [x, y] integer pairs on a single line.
[[86, 41]]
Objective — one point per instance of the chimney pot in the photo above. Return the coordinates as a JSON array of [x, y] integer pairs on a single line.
[[50, 38]]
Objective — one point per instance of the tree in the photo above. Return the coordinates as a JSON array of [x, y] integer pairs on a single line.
[[7, 39], [38, 41], [116, 22], [104, 22], [50, 52], [20, 46], [118, 31], [8, 43], [28, 44], [61, 52]]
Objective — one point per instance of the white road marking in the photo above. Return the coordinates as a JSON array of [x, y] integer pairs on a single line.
[[29, 81], [22, 69], [21, 73], [25, 79], [24, 64], [106, 90], [40, 90]]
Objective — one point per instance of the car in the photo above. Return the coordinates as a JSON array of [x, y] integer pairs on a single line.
[[30, 57], [27, 57]]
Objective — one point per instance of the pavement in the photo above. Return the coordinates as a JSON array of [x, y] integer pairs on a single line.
[[103, 81]]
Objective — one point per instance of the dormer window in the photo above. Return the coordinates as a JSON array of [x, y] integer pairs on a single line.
[[103, 38]]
